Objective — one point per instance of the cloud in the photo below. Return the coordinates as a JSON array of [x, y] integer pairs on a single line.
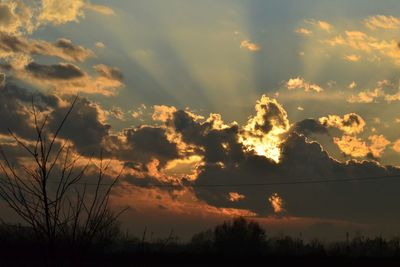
[[382, 91], [352, 58], [378, 145], [352, 146], [147, 143], [8, 19], [359, 41], [276, 203], [355, 147], [60, 71], [248, 45], [100, 45], [15, 103], [62, 48], [304, 31], [365, 96], [15, 17], [308, 127], [67, 79], [351, 123], [324, 25], [235, 196], [396, 145], [215, 154], [63, 11], [262, 133], [84, 126], [352, 85], [383, 22], [76, 53], [109, 73], [2, 79], [302, 161], [300, 83], [321, 24], [105, 10]]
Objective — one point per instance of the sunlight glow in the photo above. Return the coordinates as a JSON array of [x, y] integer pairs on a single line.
[[276, 202], [263, 132]]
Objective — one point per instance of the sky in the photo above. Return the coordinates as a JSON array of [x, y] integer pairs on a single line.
[[217, 109]]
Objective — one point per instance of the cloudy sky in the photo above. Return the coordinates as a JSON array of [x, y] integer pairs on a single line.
[[218, 108]]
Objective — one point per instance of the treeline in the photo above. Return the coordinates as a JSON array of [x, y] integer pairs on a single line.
[[234, 242]]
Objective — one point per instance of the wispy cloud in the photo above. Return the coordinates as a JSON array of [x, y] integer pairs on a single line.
[[383, 22], [300, 83]]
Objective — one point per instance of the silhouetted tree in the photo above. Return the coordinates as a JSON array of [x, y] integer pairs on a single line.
[[48, 191], [237, 237]]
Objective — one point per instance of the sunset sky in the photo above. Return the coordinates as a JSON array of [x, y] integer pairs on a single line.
[[218, 108]]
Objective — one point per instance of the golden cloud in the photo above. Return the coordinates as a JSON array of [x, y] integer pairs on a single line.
[[383, 22], [300, 83], [351, 123], [263, 132], [247, 44], [235, 196], [63, 11], [276, 202]]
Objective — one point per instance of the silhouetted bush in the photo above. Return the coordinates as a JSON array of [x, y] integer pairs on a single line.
[[238, 237]]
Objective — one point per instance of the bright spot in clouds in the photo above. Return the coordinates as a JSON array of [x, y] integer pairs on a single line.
[[235, 196], [263, 132], [276, 202]]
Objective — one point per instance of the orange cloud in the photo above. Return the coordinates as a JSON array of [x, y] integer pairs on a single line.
[[174, 201], [321, 24], [352, 146], [383, 22], [351, 123], [361, 42], [235, 196], [247, 44], [396, 145], [276, 202], [378, 145], [352, 58], [355, 147], [304, 31]]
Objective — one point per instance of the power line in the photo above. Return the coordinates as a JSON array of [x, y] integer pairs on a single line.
[[278, 183]]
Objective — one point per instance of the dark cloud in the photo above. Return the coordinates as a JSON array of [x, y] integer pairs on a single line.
[[72, 51], [308, 127], [83, 126], [367, 201], [2, 79], [15, 109], [67, 78], [225, 161], [109, 72], [218, 145], [62, 48], [147, 143], [7, 17], [61, 71]]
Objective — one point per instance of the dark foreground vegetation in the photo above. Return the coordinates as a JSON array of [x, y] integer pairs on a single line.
[[238, 242]]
